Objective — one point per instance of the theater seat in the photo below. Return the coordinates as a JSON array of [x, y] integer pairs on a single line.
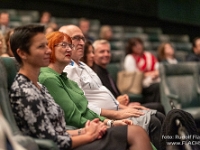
[[180, 86], [115, 66], [8, 70]]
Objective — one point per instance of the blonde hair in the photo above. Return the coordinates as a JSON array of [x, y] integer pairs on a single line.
[[3, 49], [161, 51], [103, 31]]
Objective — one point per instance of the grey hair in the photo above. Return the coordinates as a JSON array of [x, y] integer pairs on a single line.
[[100, 42]]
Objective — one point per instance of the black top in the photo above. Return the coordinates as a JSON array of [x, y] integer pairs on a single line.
[[106, 80], [193, 57]]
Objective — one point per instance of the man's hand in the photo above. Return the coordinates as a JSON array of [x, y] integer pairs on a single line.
[[129, 112], [139, 107], [123, 99]]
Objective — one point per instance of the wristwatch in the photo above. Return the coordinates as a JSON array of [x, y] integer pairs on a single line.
[[110, 123]]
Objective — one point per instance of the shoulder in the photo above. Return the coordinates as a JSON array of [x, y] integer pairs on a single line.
[[47, 76]]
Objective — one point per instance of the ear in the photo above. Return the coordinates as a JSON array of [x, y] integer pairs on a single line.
[[22, 54]]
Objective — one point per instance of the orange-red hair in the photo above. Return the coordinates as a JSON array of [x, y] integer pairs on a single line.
[[53, 39]]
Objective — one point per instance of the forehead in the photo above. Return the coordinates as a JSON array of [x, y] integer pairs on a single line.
[[103, 46], [76, 31], [197, 41]]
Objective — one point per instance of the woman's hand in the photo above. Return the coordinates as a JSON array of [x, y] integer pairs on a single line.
[[122, 122], [91, 130]]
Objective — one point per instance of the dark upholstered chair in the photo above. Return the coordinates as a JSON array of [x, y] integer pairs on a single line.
[[180, 87], [8, 70]]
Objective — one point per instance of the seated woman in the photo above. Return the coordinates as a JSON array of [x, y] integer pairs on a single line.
[[166, 54], [37, 114], [139, 60]]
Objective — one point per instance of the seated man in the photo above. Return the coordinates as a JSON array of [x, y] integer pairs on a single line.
[[195, 55], [99, 97], [102, 58]]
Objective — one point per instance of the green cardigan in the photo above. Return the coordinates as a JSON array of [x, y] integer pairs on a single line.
[[69, 96]]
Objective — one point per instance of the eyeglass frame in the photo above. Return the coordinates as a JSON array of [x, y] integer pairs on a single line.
[[79, 38], [65, 45]]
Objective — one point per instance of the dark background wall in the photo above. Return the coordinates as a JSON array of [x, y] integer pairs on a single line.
[[173, 16]]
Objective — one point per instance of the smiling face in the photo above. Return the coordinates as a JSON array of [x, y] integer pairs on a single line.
[[39, 52], [102, 55]]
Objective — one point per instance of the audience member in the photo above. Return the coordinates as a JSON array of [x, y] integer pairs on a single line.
[[106, 33], [166, 54], [2, 44], [8, 52], [99, 97], [88, 57], [139, 60], [4, 22], [102, 58], [45, 18], [84, 25], [195, 55], [37, 114]]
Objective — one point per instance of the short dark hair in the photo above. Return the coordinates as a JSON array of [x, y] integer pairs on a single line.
[[194, 41], [21, 38], [132, 42]]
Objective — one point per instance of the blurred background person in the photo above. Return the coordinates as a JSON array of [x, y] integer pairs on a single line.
[[139, 60], [195, 55], [166, 54], [8, 52], [4, 22], [84, 25], [2, 44], [106, 33]]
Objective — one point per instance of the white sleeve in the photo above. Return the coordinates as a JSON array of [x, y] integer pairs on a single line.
[[129, 64], [94, 108], [73, 74], [156, 67]]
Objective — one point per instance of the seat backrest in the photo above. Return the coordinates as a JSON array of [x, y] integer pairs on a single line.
[[180, 80], [8, 70]]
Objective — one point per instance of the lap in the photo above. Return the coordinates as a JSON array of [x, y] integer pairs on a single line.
[[115, 138]]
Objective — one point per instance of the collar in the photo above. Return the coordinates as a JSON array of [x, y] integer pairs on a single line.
[[47, 69], [72, 63]]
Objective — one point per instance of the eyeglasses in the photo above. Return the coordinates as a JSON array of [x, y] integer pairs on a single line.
[[64, 45], [78, 38]]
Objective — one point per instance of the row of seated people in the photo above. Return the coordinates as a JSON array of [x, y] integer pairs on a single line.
[[54, 78], [39, 113]]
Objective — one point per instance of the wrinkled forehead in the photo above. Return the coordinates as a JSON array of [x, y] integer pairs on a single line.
[[76, 32]]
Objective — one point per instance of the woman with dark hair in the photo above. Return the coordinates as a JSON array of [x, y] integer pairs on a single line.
[[166, 53], [139, 60], [88, 57], [36, 112]]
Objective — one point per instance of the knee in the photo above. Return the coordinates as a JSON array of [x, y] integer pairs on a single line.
[[136, 130], [155, 123]]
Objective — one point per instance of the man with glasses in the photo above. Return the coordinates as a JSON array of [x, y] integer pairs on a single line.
[[100, 99]]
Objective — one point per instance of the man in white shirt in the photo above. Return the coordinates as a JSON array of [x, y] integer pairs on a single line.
[[99, 97]]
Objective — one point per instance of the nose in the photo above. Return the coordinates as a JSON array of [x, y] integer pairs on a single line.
[[48, 51], [81, 41], [92, 55], [69, 49]]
